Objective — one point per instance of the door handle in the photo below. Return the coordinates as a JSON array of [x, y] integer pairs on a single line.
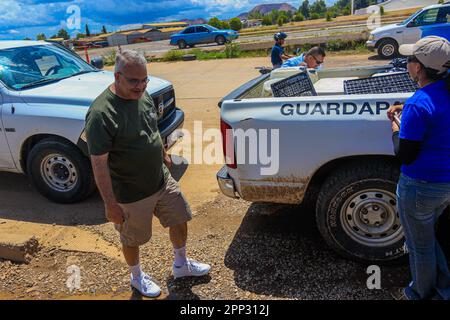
[[13, 110]]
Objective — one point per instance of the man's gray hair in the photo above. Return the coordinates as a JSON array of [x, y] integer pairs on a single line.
[[127, 57]]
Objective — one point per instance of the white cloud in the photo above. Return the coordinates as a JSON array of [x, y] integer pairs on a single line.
[[213, 4], [14, 13]]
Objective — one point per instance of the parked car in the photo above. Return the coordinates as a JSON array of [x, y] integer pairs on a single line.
[[102, 44], [430, 21], [200, 34], [335, 152], [45, 92]]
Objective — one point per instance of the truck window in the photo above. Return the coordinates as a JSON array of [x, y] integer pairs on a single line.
[[444, 15], [23, 66], [427, 17]]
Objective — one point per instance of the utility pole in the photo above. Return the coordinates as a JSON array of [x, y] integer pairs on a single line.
[[353, 6]]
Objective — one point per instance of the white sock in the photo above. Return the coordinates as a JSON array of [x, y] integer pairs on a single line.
[[136, 271], [180, 257]]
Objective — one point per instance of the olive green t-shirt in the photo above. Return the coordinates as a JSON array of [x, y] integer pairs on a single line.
[[128, 131]]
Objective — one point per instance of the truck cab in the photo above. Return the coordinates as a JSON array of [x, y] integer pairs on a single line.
[[430, 21]]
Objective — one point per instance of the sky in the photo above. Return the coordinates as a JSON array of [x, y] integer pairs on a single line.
[[27, 18]]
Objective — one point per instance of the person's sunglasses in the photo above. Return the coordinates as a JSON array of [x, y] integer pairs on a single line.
[[135, 82], [317, 61]]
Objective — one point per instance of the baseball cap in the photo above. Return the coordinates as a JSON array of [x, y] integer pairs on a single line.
[[433, 52]]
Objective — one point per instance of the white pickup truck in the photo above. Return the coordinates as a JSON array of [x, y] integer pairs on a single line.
[[45, 92], [334, 147]]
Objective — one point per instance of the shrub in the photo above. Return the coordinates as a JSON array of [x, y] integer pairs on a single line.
[[110, 58], [232, 50], [236, 24], [173, 55]]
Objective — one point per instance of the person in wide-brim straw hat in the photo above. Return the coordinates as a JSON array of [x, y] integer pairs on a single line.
[[422, 144]]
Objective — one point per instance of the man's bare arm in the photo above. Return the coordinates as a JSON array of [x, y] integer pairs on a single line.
[[102, 176]]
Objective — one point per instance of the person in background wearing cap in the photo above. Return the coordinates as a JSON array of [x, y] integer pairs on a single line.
[[422, 144], [278, 54], [312, 59]]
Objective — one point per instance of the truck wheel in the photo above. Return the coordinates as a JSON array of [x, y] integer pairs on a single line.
[[60, 172], [182, 44], [221, 40], [388, 49], [356, 213]]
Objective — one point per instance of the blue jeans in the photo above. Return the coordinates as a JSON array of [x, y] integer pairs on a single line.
[[420, 204]]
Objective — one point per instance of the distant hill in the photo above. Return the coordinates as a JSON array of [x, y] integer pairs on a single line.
[[267, 8]]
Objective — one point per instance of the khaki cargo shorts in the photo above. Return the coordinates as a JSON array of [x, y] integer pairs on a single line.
[[168, 205]]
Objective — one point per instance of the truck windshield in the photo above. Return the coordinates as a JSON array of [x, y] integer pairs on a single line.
[[408, 20], [25, 67]]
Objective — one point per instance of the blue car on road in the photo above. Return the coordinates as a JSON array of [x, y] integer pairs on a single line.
[[201, 34]]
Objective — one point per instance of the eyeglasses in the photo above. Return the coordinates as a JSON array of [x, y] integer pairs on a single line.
[[135, 82], [317, 61]]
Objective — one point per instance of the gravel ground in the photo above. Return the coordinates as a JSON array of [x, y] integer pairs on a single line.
[[257, 251]]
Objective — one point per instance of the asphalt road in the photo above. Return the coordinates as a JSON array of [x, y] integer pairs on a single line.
[[158, 48]]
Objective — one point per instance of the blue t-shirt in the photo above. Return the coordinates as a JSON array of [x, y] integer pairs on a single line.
[[426, 118], [295, 62], [277, 51]]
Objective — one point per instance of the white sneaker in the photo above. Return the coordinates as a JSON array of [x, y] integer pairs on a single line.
[[146, 286], [191, 269]]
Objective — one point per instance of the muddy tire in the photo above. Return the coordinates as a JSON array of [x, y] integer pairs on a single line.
[[182, 44], [60, 172], [220, 40], [388, 49], [357, 216]]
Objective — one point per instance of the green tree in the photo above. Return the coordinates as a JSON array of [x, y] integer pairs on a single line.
[[63, 34], [329, 16], [299, 17], [236, 24], [224, 25], [319, 7], [41, 36], [88, 32], [382, 10], [215, 22], [267, 20], [104, 30], [80, 36], [274, 15], [441, 2], [280, 21], [26, 38], [305, 9], [315, 16]]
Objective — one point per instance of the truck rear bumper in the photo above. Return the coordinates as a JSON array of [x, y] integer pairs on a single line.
[[226, 183]]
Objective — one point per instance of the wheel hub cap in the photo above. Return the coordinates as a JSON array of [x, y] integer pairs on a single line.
[[370, 217], [59, 173]]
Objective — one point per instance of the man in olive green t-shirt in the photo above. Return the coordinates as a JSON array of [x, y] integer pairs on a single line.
[[129, 164]]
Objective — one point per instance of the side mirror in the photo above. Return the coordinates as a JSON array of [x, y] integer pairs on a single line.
[[97, 62], [412, 24]]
